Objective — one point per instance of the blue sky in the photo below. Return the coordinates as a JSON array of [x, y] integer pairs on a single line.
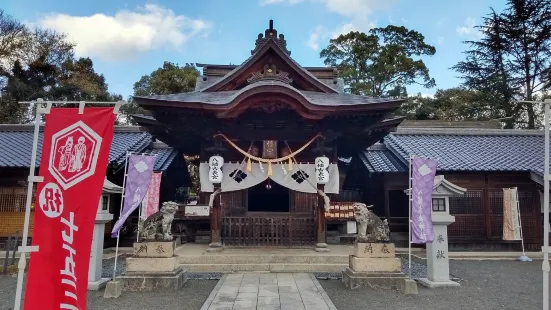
[[128, 39]]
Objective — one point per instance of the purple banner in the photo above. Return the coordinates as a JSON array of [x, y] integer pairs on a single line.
[[140, 169], [423, 172]]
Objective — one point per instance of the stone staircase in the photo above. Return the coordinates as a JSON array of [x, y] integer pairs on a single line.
[[218, 262]]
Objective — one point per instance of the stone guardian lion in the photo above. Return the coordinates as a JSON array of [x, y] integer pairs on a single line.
[[158, 226], [371, 229]]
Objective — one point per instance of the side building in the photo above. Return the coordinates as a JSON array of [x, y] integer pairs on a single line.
[[15, 158], [482, 160]]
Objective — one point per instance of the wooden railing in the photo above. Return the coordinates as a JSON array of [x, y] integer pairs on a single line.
[[279, 231]]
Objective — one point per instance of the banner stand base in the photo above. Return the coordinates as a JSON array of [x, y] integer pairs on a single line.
[[524, 258], [113, 289], [98, 285]]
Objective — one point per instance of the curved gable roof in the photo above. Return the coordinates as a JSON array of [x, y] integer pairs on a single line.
[[270, 44]]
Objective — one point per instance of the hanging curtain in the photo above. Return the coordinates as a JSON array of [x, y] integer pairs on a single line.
[[236, 177]]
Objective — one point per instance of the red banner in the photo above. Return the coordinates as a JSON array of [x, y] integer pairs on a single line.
[[150, 203], [74, 161]]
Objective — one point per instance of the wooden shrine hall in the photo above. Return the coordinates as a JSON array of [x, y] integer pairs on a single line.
[[258, 129]]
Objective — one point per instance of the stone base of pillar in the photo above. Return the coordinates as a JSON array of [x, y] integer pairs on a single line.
[[322, 247], [215, 247], [431, 284], [98, 285], [374, 280]]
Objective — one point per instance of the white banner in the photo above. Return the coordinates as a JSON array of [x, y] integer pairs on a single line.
[[511, 223], [236, 177]]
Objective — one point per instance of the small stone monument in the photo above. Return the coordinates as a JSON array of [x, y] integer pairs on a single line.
[[438, 262], [95, 281], [154, 265], [374, 263]]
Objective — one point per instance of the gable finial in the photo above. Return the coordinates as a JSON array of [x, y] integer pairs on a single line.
[[270, 34]]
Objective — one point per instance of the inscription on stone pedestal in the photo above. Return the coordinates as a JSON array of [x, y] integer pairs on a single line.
[[374, 250], [154, 249], [375, 264]]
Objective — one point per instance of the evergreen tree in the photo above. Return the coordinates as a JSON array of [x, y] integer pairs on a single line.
[[512, 60]]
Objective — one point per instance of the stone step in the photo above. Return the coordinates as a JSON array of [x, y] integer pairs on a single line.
[[229, 268], [264, 259]]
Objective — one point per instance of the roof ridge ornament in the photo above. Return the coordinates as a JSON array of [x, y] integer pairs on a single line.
[[270, 34], [270, 72]]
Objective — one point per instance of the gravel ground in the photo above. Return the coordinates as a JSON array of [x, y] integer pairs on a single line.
[[487, 285], [190, 297], [108, 265], [418, 270]]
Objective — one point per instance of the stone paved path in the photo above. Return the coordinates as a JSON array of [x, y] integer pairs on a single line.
[[285, 291]]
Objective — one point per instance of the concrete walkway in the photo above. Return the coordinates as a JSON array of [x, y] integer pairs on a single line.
[[285, 291]]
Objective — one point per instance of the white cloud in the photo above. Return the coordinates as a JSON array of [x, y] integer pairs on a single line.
[[126, 34], [346, 28], [440, 40], [268, 2], [357, 13], [314, 38], [468, 29]]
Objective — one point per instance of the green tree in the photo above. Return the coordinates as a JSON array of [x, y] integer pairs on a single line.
[[39, 63], [79, 81], [512, 60], [15, 38], [168, 79], [454, 104], [380, 63]]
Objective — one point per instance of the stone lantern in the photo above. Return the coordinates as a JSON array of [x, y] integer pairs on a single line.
[[95, 281], [438, 263]]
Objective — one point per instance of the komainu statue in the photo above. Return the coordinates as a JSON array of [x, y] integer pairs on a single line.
[[158, 225], [371, 228]]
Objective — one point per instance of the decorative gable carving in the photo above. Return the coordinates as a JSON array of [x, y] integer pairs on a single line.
[[270, 72], [270, 34]]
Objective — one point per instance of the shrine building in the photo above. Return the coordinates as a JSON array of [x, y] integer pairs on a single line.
[[268, 119], [270, 124]]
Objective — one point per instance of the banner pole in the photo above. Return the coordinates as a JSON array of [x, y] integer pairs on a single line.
[[523, 257], [139, 220], [31, 180], [122, 201], [545, 249], [409, 216]]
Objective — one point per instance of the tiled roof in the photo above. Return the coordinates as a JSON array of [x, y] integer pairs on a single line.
[[16, 147], [206, 81], [462, 150], [537, 176], [165, 156], [378, 158], [227, 97]]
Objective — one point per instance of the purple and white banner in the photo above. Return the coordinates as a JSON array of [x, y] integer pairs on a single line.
[[423, 172], [140, 169]]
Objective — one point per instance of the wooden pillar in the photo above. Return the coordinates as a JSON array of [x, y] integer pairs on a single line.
[[321, 245], [215, 227]]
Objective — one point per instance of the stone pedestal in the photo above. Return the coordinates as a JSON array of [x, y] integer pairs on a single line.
[[153, 267], [438, 261], [154, 249], [95, 281], [375, 265]]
